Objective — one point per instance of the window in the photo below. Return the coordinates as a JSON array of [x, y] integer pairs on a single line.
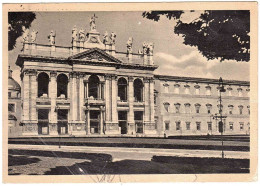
[[198, 125], [176, 88], [197, 107], [248, 108], [240, 94], [187, 125], [177, 107], [167, 125], [11, 107], [43, 85], [248, 92], [166, 88], [187, 89], [231, 126], [166, 106], [122, 89], [209, 106], [187, 108], [209, 125], [9, 94], [197, 89], [230, 109], [229, 91], [208, 90], [241, 126], [62, 86], [240, 107], [178, 125]]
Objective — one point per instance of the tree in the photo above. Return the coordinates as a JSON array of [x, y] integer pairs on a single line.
[[218, 34], [16, 22]]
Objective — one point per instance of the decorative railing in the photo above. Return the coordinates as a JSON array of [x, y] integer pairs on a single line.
[[95, 101]]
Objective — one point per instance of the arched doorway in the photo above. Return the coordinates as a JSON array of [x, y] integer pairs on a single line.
[[93, 86], [62, 86], [138, 90], [43, 84], [122, 89]]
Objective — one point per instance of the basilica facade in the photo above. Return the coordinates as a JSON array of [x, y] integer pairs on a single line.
[[91, 89]]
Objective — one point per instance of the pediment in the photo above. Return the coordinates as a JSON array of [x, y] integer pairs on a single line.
[[96, 55]]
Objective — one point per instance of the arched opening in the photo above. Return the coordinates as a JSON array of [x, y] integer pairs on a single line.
[[93, 86], [43, 85], [138, 90], [62, 86], [122, 89]]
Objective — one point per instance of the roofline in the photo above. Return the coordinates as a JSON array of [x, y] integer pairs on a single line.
[[201, 80]]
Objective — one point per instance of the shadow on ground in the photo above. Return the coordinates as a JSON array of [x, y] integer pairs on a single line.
[[102, 164], [21, 160]]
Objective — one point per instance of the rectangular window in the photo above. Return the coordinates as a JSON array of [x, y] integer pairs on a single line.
[[11, 107], [178, 125], [209, 126], [230, 112], [167, 126], [241, 126], [198, 125], [231, 126], [9, 94], [208, 111], [187, 125], [197, 110]]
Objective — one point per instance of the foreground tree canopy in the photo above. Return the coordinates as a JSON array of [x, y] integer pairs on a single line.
[[16, 22], [222, 35]]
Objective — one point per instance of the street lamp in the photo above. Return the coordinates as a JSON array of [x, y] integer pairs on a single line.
[[220, 124]]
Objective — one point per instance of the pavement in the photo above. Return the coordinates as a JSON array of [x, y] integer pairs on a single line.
[[125, 153]]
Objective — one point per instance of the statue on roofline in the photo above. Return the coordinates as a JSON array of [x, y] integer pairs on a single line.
[[151, 47], [34, 36], [74, 33], [129, 45], [25, 35], [81, 34], [105, 38], [145, 48], [92, 23], [51, 37], [113, 38]]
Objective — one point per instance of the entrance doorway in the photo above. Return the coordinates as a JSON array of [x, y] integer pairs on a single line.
[[43, 121], [138, 116], [122, 120], [94, 121], [62, 121]]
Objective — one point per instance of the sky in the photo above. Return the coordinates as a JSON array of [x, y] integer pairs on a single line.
[[170, 54]]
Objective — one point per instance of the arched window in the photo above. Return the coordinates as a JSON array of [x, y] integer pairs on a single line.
[[93, 86], [197, 107], [122, 89], [43, 84], [209, 106], [62, 86], [166, 106], [177, 107], [138, 90]]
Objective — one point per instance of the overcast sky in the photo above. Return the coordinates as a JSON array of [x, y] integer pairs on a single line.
[[170, 54]]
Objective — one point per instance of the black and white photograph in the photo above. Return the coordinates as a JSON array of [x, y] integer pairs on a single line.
[[144, 92]]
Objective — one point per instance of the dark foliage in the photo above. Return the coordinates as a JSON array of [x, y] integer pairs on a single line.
[[217, 34], [16, 21]]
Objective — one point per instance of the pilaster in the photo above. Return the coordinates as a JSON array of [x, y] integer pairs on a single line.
[[108, 98], [114, 100], [131, 123], [53, 129]]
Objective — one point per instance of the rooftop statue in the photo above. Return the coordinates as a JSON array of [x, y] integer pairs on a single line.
[[113, 38], [26, 36], [145, 47], [74, 33], [129, 45], [51, 37], [151, 47], [105, 38], [34, 36], [81, 34], [92, 23]]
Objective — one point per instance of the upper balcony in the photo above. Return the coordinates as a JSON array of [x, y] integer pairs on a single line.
[[94, 101]]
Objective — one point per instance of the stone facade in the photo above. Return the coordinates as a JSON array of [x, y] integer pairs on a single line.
[[90, 89], [189, 106]]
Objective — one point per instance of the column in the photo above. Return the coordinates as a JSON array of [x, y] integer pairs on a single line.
[[73, 98], [101, 121], [146, 101], [34, 89], [152, 100], [131, 123], [114, 100], [26, 101], [88, 120], [81, 98], [53, 129], [107, 98]]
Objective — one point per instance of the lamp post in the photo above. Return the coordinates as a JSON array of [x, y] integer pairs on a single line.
[[221, 125]]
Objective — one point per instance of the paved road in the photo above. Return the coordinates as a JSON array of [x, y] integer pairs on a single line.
[[135, 141], [134, 153]]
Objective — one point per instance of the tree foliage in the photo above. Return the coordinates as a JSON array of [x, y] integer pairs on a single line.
[[16, 22], [217, 34]]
